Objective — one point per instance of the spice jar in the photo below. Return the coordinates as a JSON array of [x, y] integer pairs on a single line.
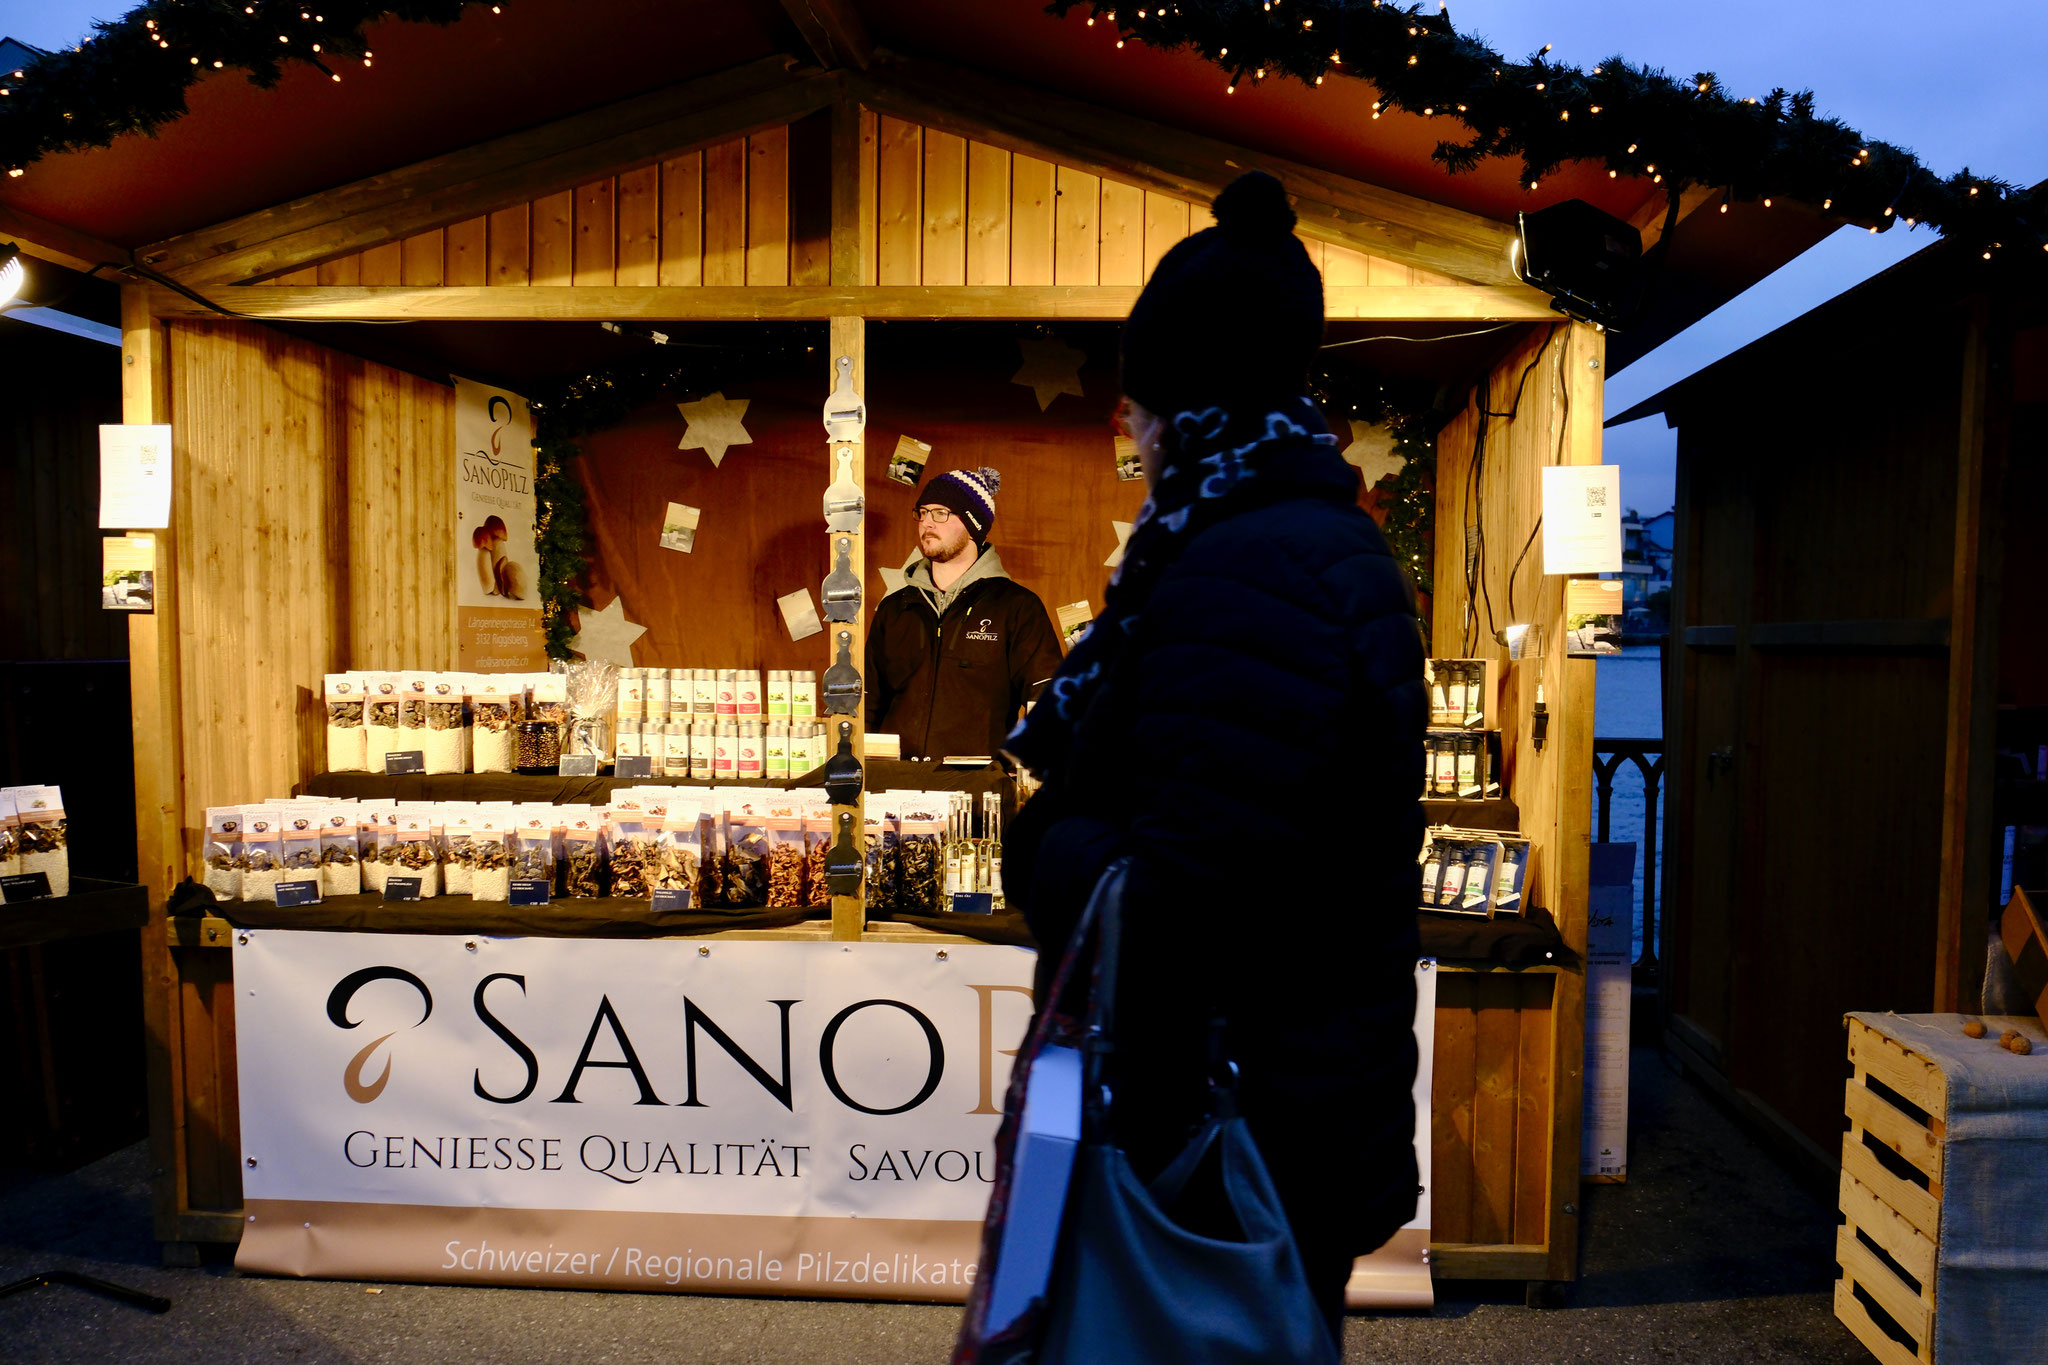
[[748, 764], [655, 689], [747, 704], [725, 750], [536, 748], [778, 694], [703, 694], [703, 742], [803, 694], [632, 693]]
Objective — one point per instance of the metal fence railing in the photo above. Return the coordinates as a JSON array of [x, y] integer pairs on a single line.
[[1648, 757]]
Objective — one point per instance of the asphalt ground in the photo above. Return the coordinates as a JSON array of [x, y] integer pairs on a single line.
[[1710, 1252]]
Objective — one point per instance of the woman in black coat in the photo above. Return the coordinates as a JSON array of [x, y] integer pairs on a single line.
[[1245, 722]]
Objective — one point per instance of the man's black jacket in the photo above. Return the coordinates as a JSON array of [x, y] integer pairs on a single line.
[[954, 686]]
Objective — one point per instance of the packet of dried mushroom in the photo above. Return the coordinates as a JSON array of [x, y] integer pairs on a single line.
[[299, 823], [42, 836], [581, 865], [341, 864], [347, 741], [411, 850], [262, 852], [380, 720], [442, 739], [224, 860], [370, 817], [490, 877], [498, 702]]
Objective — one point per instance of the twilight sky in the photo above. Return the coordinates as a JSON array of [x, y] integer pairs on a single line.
[[1958, 86]]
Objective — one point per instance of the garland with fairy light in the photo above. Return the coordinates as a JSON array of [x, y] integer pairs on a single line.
[[1406, 408], [1633, 120], [568, 410], [131, 75]]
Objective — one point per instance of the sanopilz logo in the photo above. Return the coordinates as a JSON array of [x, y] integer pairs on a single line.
[[337, 1012], [982, 632]]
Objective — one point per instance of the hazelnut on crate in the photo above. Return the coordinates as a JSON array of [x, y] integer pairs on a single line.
[[1975, 1028]]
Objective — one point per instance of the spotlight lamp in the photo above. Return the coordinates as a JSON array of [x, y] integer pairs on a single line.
[[1585, 259], [12, 274]]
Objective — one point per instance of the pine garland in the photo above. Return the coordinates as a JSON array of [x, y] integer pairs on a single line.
[[1407, 498], [1633, 120], [576, 407], [131, 75]]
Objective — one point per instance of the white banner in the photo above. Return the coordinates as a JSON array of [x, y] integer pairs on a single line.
[[766, 1117], [497, 599]]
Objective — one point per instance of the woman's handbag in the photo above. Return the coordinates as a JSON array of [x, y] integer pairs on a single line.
[[1130, 1284]]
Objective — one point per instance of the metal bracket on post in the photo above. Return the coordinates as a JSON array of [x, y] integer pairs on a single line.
[[846, 417]]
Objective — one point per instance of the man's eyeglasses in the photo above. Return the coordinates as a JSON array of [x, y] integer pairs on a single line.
[[938, 516]]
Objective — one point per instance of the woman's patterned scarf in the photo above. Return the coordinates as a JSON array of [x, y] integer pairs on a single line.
[[1220, 468]]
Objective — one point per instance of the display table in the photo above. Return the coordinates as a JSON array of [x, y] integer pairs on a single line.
[[93, 907]]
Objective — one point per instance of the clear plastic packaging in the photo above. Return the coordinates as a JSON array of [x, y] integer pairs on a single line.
[[679, 854], [582, 860], [370, 817], [412, 712], [591, 695], [884, 855], [533, 849], [347, 744], [43, 836], [458, 847], [10, 837], [417, 851], [490, 877], [300, 825], [341, 866], [380, 728], [442, 739], [224, 857], [499, 705], [923, 855], [711, 850], [745, 875], [787, 859], [262, 853], [631, 840]]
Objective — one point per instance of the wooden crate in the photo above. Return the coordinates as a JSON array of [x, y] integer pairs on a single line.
[[1891, 1196]]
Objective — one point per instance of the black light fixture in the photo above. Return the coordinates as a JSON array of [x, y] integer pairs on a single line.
[[1584, 258], [12, 273]]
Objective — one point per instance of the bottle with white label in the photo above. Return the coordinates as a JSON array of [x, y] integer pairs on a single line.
[[1432, 872], [992, 846]]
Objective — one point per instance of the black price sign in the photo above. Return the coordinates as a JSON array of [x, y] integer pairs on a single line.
[[578, 765], [30, 886], [308, 893], [530, 892], [402, 761], [401, 888], [672, 898], [634, 765], [974, 903]]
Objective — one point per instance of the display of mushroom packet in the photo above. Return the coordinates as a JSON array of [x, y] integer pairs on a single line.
[[35, 838]]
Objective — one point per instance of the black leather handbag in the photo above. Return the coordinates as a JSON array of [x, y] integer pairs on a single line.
[[1130, 1283]]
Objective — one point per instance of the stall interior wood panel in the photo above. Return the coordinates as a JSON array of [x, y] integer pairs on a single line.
[[756, 211], [1545, 394], [312, 488]]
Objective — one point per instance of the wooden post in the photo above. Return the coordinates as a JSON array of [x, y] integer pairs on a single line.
[[159, 767], [846, 191], [849, 338], [1963, 909]]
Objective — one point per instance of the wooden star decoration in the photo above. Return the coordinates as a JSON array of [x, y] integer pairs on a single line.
[[1372, 450], [1123, 538], [1051, 368], [714, 424], [607, 634]]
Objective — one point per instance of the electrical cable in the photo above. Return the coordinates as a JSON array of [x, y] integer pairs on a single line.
[[1564, 425], [1450, 336], [1475, 530]]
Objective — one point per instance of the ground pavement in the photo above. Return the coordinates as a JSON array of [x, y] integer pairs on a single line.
[[1711, 1252]]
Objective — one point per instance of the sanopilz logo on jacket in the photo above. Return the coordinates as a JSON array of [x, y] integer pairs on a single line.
[[982, 632]]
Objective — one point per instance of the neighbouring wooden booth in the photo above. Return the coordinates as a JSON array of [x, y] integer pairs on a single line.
[[1856, 641], [312, 482]]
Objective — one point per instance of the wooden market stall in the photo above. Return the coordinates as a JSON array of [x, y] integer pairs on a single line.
[[845, 188]]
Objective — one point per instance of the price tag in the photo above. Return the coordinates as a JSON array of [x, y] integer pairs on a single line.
[[672, 898], [401, 761], [974, 903], [635, 765], [31, 886], [530, 892], [308, 893], [578, 765], [401, 888]]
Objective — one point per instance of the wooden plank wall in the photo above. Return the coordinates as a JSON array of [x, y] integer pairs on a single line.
[[1491, 1115], [312, 489], [937, 209]]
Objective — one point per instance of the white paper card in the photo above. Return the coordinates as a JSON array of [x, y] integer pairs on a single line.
[[800, 614], [135, 477], [1581, 518]]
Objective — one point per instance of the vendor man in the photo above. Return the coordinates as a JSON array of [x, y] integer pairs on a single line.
[[955, 653]]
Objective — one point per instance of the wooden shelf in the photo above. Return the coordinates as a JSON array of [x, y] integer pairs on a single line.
[[93, 907], [1495, 813]]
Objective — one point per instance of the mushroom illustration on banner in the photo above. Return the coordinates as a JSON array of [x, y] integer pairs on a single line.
[[714, 425]]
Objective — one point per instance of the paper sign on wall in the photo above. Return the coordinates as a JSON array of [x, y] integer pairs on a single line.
[[1581, 518], [135, 477], [799, 614]]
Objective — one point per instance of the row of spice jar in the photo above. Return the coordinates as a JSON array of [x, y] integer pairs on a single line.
[[674, 696], [456, 722], [715, 749], [34, 840], [1473, 872]]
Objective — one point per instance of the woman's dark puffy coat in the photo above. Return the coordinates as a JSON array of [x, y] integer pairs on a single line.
[[1257, 749]]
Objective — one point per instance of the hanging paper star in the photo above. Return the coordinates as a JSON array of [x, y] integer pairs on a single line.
[[607, 634], [1372, 450], [1123, 538], [1051, 368], [893, 580], [714, 424]]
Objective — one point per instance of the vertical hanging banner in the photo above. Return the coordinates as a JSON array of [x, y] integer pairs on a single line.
[[497, 602]]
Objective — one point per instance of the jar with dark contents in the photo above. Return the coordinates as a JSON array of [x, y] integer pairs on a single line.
[[536, 748]]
